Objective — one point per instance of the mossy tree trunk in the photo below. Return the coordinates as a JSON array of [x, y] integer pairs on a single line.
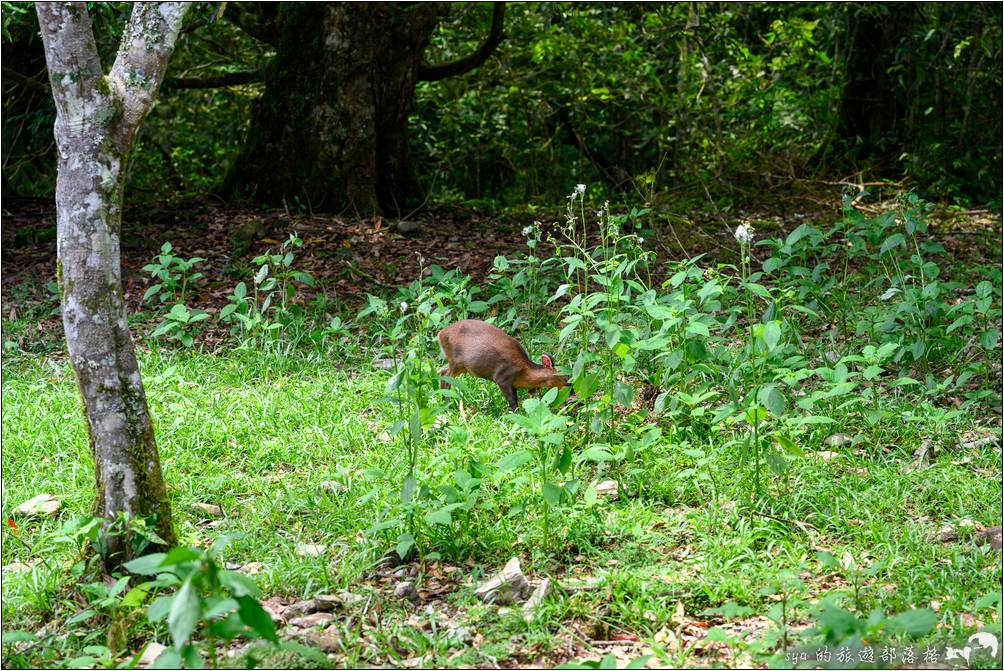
[[97, 118], [331, 128]]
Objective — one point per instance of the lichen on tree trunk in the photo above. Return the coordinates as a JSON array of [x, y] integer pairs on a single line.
[[332, 126], [97, 117]]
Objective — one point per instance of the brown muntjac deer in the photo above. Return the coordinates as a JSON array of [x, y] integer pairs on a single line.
[[488, 352]]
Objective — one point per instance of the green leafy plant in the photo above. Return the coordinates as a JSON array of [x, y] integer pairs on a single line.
[[172, 274], [209, 607], [181, 324]]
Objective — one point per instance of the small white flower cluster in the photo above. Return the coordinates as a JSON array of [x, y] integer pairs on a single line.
[[744, 233], [403, 306], [579, 192]]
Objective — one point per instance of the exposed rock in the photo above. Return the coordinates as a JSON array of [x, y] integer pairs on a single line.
[[826, 455], [252, 567], [150, 654], [342, 597], [461, 635], [328, 640], [920, 458], [508, 586], [978, 442], [332, 487], [210, 509], [947, 534], [312, 620], [608, 488], [43, 504], [384, 364], [837, 440], [17, 566], [584, 585], [537, 598], [310, 550], [405, 590], [404, 226], [276, 608]]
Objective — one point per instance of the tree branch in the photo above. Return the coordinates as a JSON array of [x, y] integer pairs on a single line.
[[146, 46], [216, 81], [25, 81], [71, 55], [255, 23], [433, 73]]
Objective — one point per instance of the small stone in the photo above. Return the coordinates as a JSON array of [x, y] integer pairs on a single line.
[[537, 598], [150, 654], [332, 487], [970, 622], [310, 550], [608, 488], [312, 620], [342, 597], [460, 634], [384, 364], [209, 509], [837, 440], [275, 609], [921, 457], [827, 456], [252, 567], [43, 504], [506, 587], [404, 226], [947, 534], [590, 584], [405, 590], [328, 640], [17, 567]]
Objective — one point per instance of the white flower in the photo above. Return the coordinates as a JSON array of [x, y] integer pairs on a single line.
[[744, 233], [599, 214], [527, 231], [580, 189], [641, 241], [403, 306]]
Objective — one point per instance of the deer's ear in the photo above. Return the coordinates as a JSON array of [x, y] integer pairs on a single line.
[[545, 360]]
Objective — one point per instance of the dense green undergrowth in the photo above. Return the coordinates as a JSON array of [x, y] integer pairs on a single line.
[[761, 422]]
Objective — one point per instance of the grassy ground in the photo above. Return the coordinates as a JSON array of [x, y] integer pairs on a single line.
[[688, 564]]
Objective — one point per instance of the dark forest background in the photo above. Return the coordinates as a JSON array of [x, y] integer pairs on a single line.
[[387, 106]]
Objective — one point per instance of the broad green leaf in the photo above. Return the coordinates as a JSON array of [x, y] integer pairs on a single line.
[[514, 460], [552, 494], [915, 623], [254, 616], [893, 241], [184, 614], [146, 565]]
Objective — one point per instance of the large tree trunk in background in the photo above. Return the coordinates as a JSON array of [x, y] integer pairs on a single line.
[[97, 118], [332, 126], [872, 107]]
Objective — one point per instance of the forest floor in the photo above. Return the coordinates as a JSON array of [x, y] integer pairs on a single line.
[[295, 448], [351, 257]]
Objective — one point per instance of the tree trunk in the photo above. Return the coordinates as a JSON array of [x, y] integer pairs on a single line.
[[97, 117], [872, 108], [332, 126]]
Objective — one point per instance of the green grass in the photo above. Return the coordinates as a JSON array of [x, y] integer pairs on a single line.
[[257, 434], [705, 558]]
